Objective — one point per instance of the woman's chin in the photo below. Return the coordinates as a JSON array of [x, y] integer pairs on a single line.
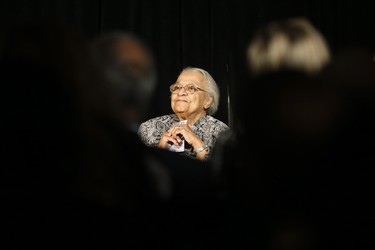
[[180, 109]]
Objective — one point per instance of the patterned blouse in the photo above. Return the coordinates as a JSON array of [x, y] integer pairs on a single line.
[[207, 128]]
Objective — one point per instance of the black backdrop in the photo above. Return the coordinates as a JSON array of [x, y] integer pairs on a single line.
[[211, 34]]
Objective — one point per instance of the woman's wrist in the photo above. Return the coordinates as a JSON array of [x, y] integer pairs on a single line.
[[200, 149]]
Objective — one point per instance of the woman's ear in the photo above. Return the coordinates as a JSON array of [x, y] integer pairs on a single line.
[[207, 102]]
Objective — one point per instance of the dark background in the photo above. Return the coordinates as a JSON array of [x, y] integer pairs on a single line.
[[210, 34]]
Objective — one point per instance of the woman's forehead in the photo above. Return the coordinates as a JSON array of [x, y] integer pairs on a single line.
[[190, 76]]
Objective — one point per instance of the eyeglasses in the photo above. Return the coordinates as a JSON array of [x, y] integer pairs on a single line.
[[190, 89]]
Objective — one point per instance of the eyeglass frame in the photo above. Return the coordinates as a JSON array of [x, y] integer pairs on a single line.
[[196, 88]]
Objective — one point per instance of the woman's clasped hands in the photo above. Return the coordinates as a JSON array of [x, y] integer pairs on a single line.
[[179, 134]]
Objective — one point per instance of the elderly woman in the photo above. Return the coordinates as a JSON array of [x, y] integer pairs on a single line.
[[191, 130]]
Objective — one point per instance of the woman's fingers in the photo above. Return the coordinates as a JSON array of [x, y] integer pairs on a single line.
[[169, 136], [175, 140]]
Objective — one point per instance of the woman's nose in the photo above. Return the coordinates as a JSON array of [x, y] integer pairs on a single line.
[[182, 90]]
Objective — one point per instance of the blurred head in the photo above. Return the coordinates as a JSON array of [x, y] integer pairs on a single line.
[[292, 44], [195, 92], [59, 127], [129, 66]]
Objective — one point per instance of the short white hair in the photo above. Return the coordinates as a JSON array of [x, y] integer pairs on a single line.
[[212, 88]]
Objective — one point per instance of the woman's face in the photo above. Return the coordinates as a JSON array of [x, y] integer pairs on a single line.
[[190, 105]]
